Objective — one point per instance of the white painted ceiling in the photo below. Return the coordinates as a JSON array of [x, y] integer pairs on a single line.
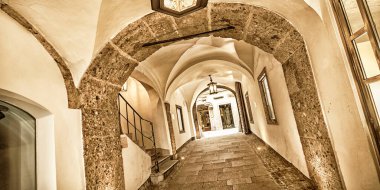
[[78, 29], [227, 60]]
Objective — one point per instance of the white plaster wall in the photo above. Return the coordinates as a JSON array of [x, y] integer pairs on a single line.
[[161, 130], [284, 137], [344, 114], [138, 97], [340, 106], [69, 25], [177, 99], [136, 166], [27, 69], [149, 106]]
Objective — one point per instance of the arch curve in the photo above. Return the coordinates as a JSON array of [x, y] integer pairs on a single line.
[[254, 25]]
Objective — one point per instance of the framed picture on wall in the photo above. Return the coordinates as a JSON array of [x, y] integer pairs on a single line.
[[181, 126], [249, 108]]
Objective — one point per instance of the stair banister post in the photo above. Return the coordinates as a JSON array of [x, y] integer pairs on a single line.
[[134, 125], [154, 146], [118, 103], [142, 135], [126, 111]]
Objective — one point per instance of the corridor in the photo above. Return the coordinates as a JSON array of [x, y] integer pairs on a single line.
[[235, 162], [190, 94]]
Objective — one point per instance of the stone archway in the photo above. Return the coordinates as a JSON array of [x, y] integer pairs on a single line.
[[256, 26], [194, 108]]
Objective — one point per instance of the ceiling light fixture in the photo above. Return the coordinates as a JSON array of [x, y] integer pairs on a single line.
[[212, 86], [178, 8]]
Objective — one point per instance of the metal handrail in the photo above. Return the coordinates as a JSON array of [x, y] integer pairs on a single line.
[[135, 129]]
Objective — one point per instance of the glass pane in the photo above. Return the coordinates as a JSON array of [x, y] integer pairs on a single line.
[[375, 91], [367, 56], [247, 101], [374, 7], [353, 15], [180, 121], [179, 5], [269, 99], [17, 149]]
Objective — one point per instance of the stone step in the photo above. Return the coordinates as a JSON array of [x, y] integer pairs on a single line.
[[166, 167], [160, 159]]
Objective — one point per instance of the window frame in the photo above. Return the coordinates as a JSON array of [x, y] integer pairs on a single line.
[[361, 81], [264, 98], [249, 108], [180, 124]]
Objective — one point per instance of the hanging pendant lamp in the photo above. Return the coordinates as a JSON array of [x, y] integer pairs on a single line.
[[212, 86]]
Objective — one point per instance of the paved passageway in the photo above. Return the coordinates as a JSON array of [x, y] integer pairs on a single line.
[[233, 162]]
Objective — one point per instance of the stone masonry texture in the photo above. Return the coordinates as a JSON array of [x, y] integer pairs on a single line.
[[97, 94], [233, 162], [259, 27], [271, 33]]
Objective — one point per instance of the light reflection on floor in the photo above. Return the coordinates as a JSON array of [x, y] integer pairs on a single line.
[[210, 134]]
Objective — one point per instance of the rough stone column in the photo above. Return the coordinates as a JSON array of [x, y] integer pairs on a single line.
[[241, 107], [101, 136], [100, 115], [316, 144], [171, 130]]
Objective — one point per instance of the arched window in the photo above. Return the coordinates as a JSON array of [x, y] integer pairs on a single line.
[[17, 148]]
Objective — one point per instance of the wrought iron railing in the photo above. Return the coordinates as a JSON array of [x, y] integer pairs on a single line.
[[137, 128]]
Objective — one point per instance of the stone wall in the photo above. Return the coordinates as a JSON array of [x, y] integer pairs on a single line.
[[97, 94], [101, 132], [271, 33]]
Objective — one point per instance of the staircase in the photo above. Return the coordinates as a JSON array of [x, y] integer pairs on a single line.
[[141, 132]]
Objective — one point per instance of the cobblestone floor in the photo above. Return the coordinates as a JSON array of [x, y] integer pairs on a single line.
[[233, 162]]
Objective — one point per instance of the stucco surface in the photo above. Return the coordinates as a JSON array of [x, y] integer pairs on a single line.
[[322, 49], [131, 39], [136, 160], [34, 74]]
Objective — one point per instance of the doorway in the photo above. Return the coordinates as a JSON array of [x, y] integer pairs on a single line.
[[205, 118], [226, 116], [217, 114]]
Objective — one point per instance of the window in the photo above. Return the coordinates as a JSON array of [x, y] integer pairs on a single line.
[[249, 108], [18, 148], [359, 23], [181, 127], [267, 98]]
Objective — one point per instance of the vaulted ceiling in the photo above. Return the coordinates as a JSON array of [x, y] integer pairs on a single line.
[[80, 29], [185, 66]]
